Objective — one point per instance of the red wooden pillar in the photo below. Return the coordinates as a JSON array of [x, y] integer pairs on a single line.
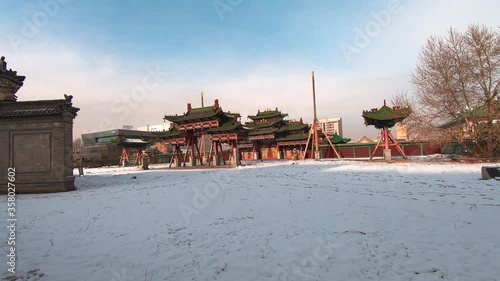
[[386, 137], [124, 161]]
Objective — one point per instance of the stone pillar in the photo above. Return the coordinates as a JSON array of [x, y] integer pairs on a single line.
[[215, 160], [317, 154], [234, 161], [237, 156], [387, 154], [145, 163], [192, 160], [177, 162]]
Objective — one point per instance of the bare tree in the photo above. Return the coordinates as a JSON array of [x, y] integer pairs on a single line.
[[77, 145], [457, 83]]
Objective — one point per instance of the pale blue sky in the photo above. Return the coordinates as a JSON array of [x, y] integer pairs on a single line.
[[256, 54]]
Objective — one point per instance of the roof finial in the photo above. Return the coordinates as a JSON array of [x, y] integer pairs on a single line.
[[384, 103], [3, 64]]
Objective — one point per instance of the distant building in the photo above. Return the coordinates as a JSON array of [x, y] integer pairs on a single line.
[[465, 121], [110, 135], [156, 128], [402, 132], [99, 149], [364, 139], [331, 126]]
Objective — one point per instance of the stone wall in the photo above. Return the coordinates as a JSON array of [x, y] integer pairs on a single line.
[[40, 149]]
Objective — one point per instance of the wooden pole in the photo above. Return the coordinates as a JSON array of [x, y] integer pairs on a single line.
[[216, 150], [314, 96], [386, 136], [187, 150], [222, 153], [209, 158], [193, 155], [378, 144], [395, 143], [315, 122], [330, 142], [202, 99], [172, 158], [307, 145], [198, 151]]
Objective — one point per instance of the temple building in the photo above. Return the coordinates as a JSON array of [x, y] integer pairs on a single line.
[[195, 127], [135, 146], [270, 136], [36, 138], [100, 149]]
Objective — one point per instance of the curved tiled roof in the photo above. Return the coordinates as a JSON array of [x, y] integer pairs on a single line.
[[335, 139], [36, 108], [385, 116], [479, 113], [267, 114], [227, 126], [293, 126], [172, 133], [262, 131], [208, 112], [201, 113], [264, 124]]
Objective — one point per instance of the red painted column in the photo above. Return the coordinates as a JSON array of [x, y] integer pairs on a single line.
[[386, 137]]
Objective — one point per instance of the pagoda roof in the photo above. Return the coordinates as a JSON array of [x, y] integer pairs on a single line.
[[385, 116], [208, 112], [264, 124], [228, 126], [293, 126], [132, 142], [268, 114], [476, 113], [262, 131], [172, 133], [335, 139]]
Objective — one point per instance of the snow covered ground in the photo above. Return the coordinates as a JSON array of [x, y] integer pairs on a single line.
[[327, 220]]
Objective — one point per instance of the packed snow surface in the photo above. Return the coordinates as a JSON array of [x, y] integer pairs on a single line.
[[282, 220]]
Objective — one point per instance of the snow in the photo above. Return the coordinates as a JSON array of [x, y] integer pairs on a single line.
[[277, 220]]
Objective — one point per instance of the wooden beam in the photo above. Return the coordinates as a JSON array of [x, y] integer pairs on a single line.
[[378, 144], [222, 153], [331, 144], [397, 145], [199, 154], [307, 144]]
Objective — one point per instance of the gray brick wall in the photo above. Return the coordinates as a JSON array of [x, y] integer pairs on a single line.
[[41, 150]]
